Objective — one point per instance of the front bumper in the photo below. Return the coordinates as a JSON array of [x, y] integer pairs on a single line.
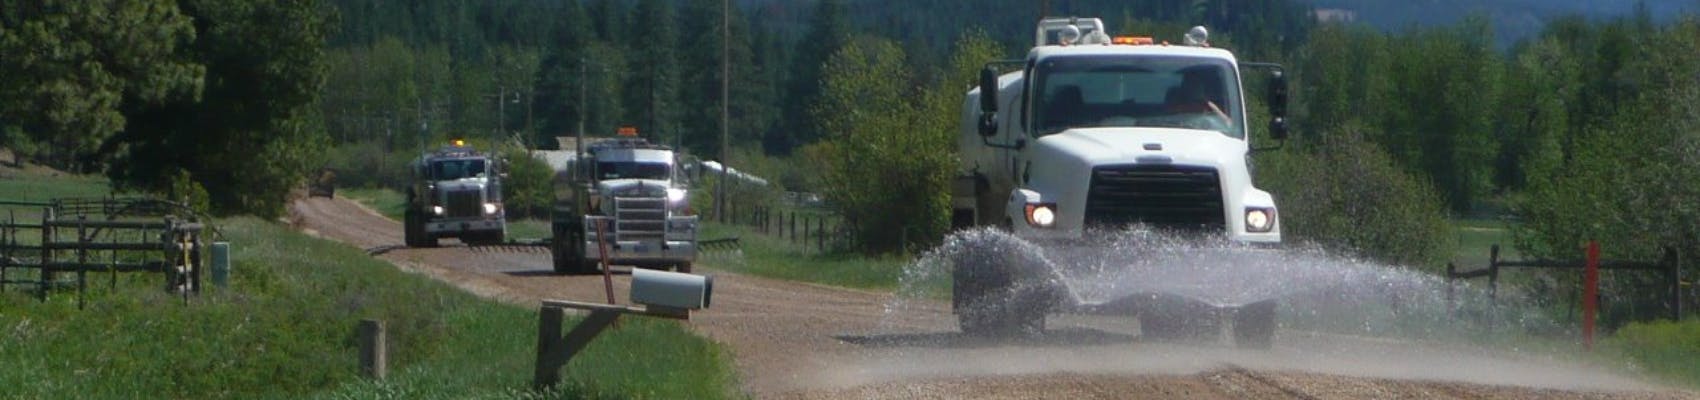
[[644, 252], [456, 227]]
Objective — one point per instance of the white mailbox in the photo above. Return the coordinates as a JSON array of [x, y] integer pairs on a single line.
[[673, 290]]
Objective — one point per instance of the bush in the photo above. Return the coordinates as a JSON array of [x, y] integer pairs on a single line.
[[1344, 192], [367, 165], [527, 191], [1663, 348]]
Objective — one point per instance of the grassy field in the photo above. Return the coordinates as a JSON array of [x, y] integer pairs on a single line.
[[285, 329], [1477, 236]]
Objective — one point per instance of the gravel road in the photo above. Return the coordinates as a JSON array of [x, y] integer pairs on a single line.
[[802, 341]]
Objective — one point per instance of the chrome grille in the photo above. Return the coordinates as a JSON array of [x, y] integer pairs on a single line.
[[640, 217], [464, 203]]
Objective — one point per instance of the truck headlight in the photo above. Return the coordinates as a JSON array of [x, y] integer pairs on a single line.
[[1259, 220], [490, 208], [676, 196], [1043, 215], [438, 210]]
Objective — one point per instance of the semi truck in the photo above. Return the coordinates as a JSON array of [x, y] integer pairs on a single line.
[[1091, 132], [626, 201], [454, 191]]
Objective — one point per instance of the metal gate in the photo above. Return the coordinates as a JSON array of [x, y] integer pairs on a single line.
[[46, 246]]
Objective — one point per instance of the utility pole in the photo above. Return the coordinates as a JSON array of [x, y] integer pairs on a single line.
[[501, 112], [579, 155], [725, 96]]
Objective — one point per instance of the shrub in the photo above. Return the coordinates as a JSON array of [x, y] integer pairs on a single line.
[[526, 191], [1346, 193]]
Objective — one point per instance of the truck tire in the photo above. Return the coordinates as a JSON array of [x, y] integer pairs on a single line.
[[1174, 319], [415, 234], [684, 267], [1254, 325], [410, 231], [994, 297], [566, 255]]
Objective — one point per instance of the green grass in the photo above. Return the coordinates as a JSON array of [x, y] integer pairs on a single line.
[[1664, 349], [388, 202], [775, 257], [31, 187], [1476, 237], [285, 329]]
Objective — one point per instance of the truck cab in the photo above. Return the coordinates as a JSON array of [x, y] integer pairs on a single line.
[[1100, 133], [1091, 134], [629, 197], [456, 192]]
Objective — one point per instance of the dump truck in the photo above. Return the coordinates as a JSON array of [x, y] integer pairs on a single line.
[[1091, 132], [454, 191], [626, 201]]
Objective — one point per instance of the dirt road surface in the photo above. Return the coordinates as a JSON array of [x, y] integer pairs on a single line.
[[802, 341]]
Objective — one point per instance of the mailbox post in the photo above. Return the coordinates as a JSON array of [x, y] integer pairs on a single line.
[[659, 294]]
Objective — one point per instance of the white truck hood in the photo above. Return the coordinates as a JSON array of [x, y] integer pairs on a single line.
[[1098, 146], [461, 184], [1059, 166]]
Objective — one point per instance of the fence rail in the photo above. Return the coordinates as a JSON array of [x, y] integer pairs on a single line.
[[112, 234], [817, 230]]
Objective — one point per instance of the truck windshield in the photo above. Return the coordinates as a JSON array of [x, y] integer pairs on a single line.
[[445, 170], [633, 170], [1129, 91]]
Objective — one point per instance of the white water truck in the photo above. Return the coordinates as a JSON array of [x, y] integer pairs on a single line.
[[1094, 133]]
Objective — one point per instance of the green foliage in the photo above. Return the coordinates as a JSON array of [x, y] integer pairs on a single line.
[[876, 158], [1429, 96], [526, 191], [828, 31], [1663, 348], [1625, 172], [889, 145], [253, 134], [184, 189], [1344, 192], [74, 69], [367, 165]]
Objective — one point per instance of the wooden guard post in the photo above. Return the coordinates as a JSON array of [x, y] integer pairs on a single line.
[[553, 350]]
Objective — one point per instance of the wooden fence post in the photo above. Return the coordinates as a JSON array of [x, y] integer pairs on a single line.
[[374, 353], [548, 370], [1675, 275], [820, 235], [1493, 276], [1590, 294], [553, 350]]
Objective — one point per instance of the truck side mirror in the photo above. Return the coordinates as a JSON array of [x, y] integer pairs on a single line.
[[988, 101], [1278, 105]]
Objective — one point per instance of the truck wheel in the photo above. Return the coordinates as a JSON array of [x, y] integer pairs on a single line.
[[410, 231], [995, 298], [567, 256], [1171, 318], [1254, 325], [684, 267]]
